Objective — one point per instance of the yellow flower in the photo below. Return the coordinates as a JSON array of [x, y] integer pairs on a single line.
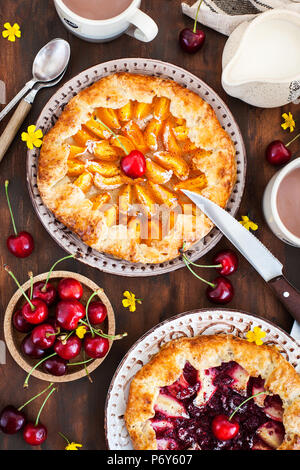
[[289, 122], [256, 335], [81, 331], [73, 446], [11, 32], [247, 223], [130, 301], [32, 137]]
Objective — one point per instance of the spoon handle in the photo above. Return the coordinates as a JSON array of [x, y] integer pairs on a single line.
[[17, 98], [13, 126]]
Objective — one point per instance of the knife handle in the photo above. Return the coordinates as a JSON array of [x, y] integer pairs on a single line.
[[287, 294]]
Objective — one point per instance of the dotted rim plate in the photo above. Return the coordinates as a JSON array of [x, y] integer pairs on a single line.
[[193, 323], [68, 240]]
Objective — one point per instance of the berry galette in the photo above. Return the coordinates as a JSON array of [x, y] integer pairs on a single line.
[[215, 392], [113, 166]]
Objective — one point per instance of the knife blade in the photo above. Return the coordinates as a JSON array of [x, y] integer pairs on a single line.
[[263, 261]]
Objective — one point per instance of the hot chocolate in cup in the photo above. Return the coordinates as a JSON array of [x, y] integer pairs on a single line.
[[281, 203], [104, 20]]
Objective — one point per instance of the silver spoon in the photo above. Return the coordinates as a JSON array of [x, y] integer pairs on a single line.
[[20, 114], [48, 64]]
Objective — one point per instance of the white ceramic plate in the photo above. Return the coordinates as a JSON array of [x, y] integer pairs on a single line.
[[194, 323], [49, 115]]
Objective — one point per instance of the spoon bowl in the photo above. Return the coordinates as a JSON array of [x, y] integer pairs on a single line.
[[51, 60]]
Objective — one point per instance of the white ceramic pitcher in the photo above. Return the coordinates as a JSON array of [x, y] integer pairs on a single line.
[[261, 60]]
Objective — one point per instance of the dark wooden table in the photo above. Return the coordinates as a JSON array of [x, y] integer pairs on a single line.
[[77, 409]]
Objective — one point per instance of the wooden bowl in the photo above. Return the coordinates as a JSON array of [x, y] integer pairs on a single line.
[[14, 338]]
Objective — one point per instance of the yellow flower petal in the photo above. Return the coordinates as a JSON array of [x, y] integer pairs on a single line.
[[73, 446], [5, 34], [81, 331], [126, 303]]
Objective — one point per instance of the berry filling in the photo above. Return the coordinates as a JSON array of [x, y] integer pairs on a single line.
[[185, 410]]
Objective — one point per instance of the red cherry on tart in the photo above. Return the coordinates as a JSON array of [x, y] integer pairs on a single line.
[[228, 261], [35, 311], [133, 165], [11, 420], [43, 336], [97, 313], [20, 324], [223, 428], [221, 292], [67, 348], [68, 314], [20, 244], [95, 347], [277, 153], [45, 292], [69, 289], [30, 349], [34, 435]]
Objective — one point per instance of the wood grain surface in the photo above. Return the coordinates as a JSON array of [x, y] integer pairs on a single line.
[[77, 409]]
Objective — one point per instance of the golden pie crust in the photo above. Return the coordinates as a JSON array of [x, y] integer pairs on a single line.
[[210, 154], [204, 352]]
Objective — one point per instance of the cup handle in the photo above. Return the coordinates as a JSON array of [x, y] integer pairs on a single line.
[[143, 27]]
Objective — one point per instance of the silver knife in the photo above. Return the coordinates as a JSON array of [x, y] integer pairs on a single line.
[[255, 252]]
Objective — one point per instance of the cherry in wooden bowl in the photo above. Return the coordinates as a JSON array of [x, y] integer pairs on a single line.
[[15, 338]]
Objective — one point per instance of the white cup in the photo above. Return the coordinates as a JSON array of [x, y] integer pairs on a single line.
[[132, 21], [270, 205]]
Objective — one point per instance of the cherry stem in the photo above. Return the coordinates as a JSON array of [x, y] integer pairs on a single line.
[[35, 366], [114, 134], [30, 274], [195, 24], [293, 140], [201, 265], [80, 363], [7, 269], [104, 335], [9, 207], [64, 437], [44, 288], [245, 401], [87, 309], [33, 398], [44, 403], [196, 275], [86, 369]]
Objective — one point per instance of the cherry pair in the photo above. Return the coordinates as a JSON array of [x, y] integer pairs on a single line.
[[13, 419], [221, 290]]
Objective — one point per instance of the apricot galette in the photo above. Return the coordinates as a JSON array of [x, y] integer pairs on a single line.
[[186, 396], [113, 166]]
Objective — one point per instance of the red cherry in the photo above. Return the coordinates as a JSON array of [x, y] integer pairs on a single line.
[[222, 292], [69, 348], [20, 245], [191, 41], [134, 164], [96, 346], [223, 429], [68, 314], [43, 336], [55, 366], [34, 435], [277, 153], [229, 261], [36, 316], [97, 312], [30, 349], [47, 295], [11, 420], [69, 289], [20, 323]]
